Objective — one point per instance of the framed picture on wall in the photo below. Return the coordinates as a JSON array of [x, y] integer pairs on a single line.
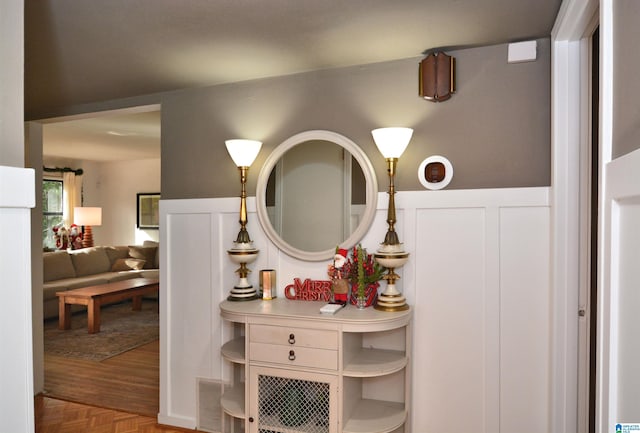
[[148, 210]]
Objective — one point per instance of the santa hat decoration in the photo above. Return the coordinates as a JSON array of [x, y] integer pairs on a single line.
[[340, 258]]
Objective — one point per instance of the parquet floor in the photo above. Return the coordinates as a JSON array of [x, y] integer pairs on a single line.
[[58, 416]]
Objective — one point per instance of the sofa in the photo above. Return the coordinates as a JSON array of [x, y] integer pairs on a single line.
[[66, 270]]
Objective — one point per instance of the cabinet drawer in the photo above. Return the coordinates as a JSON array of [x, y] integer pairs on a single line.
[[294, 337], [295, 356]]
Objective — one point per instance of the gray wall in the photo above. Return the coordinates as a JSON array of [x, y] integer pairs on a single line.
[[626, 88], [11, 84], [495, 130]]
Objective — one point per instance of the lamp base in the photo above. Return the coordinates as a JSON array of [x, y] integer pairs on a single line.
[[87, 237], [243, 254], [391, 303], [239, 297], [243, 291], [391, 299]]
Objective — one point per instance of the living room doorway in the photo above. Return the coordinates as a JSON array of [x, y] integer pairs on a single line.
[[119, 152]]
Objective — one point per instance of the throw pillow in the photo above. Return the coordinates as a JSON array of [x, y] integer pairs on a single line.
[[147, 254], [115, 253], [156, 261], [127, 265]]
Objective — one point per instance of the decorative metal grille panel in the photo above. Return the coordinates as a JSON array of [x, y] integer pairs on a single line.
[[292, 405]]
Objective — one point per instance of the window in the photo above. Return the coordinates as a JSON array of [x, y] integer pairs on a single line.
[[51, 210]]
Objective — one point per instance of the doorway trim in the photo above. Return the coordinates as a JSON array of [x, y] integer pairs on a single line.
[[569, 82]]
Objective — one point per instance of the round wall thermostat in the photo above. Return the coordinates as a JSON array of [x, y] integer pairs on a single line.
[[435, 172]]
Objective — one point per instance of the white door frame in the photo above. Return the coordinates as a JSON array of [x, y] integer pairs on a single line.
[[570, 125]]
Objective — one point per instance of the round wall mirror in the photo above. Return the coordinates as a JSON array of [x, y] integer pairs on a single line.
[[316, 190]]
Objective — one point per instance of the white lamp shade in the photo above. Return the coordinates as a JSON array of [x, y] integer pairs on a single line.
[[392, 142], [243, 152], [87, 216]]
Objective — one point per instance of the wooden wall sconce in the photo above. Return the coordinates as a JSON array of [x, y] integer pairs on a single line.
[[437, 77]]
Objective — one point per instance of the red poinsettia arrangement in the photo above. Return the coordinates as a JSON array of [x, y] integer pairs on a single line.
[[361, 270]]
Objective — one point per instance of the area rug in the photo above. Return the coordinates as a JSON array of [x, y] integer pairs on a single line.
[[121, 329]]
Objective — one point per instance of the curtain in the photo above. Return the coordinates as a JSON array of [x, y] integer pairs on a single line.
[[72, 195]]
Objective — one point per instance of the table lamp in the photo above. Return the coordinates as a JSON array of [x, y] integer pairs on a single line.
[[87, 217]]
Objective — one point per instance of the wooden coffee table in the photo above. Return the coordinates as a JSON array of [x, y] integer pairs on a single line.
[[94, 296]]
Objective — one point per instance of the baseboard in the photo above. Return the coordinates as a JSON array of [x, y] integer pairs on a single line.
[[177, 421]]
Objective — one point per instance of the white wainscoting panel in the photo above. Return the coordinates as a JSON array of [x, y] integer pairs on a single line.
[[482, 307], [619, 298], [189, 294], [478, 280], [195, 276], [186, 302], [629, 307], [525, 319], [449, 314]]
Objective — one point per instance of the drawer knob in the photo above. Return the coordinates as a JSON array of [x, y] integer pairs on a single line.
[[292, 355], [292, 339], [250, 419]]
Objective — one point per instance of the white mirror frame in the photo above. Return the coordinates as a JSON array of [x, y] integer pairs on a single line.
[[371, 192]]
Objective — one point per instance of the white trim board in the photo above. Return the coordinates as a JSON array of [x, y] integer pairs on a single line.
[[568, 126], [17, 197]]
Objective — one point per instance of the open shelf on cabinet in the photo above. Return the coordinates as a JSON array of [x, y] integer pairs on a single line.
[[232, 401], [233, 350], [375, 403], [273, 424], [365, 362], [375, 416]]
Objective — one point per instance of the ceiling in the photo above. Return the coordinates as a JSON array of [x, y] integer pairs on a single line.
[[112, 137], [79, 52]]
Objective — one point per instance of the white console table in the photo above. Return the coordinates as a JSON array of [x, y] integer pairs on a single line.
[[297, 370]]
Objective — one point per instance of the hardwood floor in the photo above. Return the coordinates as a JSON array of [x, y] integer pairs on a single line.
[[118, 395], [128, 382]]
